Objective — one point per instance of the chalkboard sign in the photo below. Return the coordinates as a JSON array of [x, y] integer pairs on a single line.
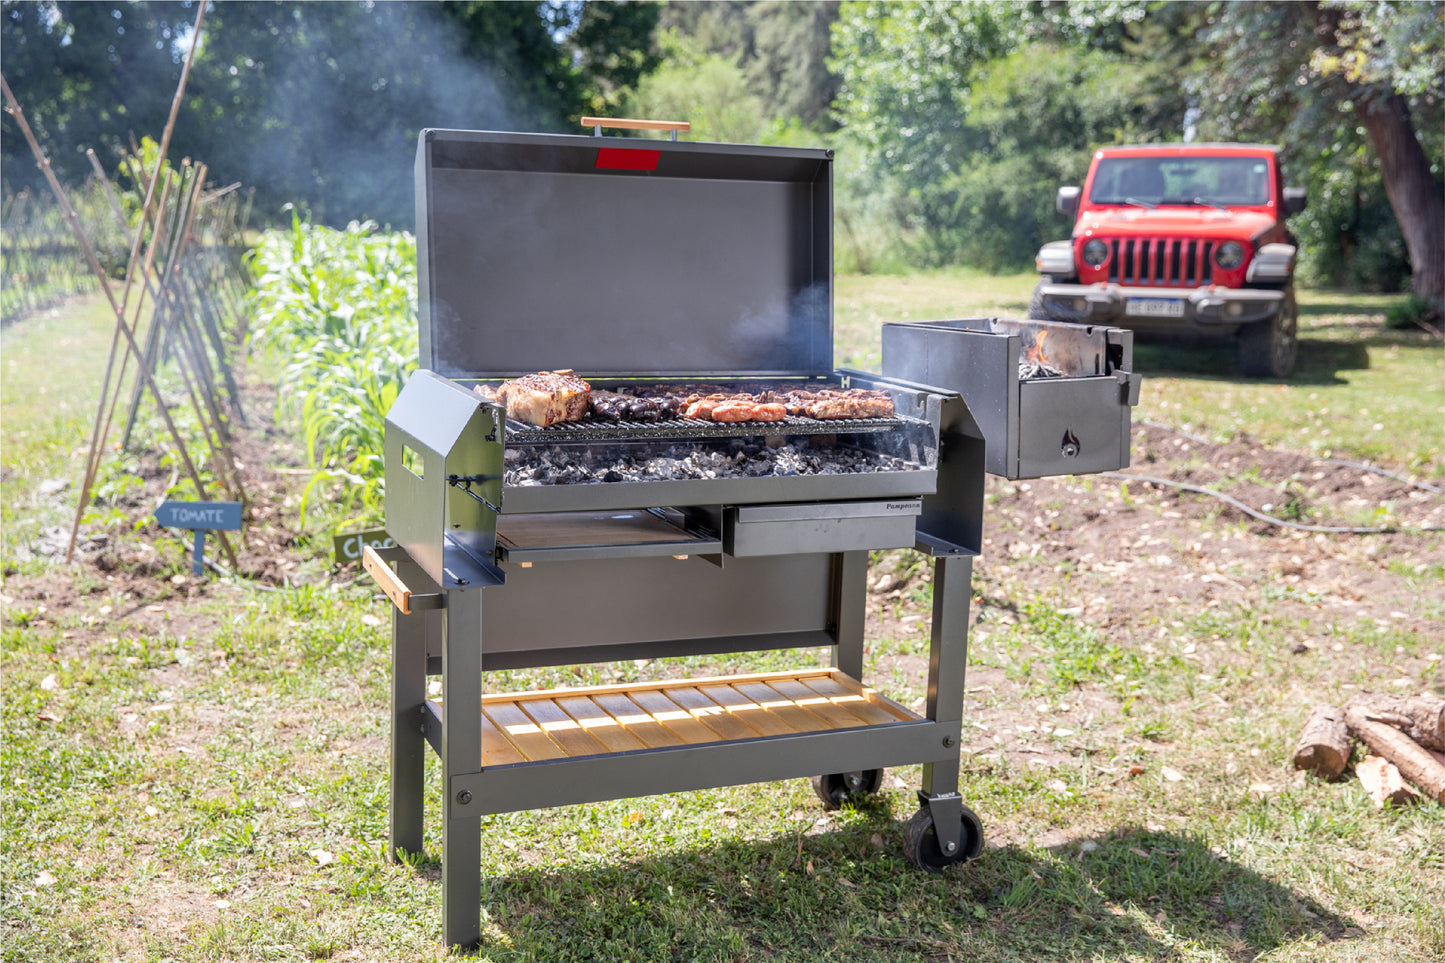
[[202, 517]]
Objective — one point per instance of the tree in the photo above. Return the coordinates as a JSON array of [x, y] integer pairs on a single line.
[[969, 115], [706, 89], [781, 48], [1311, 74], [615, 48], [88, 74], [316, 103]]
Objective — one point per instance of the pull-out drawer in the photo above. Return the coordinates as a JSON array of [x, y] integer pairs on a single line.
[[793, 529]]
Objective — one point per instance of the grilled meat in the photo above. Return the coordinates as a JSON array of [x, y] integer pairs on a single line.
[[735, 411], [615, 406], [832, 404], [545, 398]]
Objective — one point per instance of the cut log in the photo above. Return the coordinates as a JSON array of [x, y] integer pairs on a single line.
[[1415, 764], [1324, 743], [1421, 717], [1382, 781]]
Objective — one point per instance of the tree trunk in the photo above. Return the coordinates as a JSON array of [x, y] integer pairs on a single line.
[[1415, 199], [1411, 188]]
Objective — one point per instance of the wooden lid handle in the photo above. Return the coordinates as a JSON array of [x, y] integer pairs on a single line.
[[630, 124]]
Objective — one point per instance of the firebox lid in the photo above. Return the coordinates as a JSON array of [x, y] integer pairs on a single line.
[[622, 257]]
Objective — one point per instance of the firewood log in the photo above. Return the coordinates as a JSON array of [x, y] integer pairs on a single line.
[[1324, 743], [1421, 717], [1382, 781], [1415, 764]]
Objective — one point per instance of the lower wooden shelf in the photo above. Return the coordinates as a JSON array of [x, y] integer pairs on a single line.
[[572, 723]]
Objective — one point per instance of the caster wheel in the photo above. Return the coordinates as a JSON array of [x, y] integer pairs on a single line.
[[921, 844], [840, 787]]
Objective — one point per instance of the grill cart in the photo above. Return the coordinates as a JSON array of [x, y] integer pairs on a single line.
[[689, 266]]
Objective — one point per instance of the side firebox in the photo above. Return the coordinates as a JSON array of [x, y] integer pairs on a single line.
[[1050, 398], [443, 452]]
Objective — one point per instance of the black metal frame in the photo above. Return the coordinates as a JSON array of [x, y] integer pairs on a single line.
[[455, 631]]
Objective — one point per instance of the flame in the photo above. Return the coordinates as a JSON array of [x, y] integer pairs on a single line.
[[1035, 354]]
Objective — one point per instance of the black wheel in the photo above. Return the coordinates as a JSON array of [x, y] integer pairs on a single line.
[[922, 848], [1267, 349], [838, 788]]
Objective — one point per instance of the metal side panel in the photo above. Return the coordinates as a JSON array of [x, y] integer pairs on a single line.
[[1074, 421], [589, 604], [980, 366]]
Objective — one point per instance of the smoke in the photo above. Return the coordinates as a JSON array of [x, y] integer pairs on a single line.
[[345, 105]]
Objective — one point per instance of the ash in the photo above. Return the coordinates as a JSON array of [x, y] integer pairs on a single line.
[[737, 458], [1029, 370]]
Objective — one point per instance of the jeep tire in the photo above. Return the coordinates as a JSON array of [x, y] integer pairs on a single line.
[[1267, 349]]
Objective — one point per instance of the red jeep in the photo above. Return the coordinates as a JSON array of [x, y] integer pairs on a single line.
[[1181, 240]]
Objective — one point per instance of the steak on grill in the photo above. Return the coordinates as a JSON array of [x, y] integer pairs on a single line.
[[544, 398]]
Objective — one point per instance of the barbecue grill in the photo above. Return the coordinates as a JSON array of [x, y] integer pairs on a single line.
[[647, 265]]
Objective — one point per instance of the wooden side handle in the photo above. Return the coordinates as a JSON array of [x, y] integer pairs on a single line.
[[394, 587], [636, 124]]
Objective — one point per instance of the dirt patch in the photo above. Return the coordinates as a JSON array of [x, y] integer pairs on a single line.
[[139, 582], [1145, 565]]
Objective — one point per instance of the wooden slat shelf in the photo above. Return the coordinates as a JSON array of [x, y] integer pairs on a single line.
[[570, 723]]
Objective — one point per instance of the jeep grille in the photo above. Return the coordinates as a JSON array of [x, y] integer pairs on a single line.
[[1165, 261]]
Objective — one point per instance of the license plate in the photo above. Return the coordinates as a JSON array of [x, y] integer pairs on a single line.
[[1155, 307]]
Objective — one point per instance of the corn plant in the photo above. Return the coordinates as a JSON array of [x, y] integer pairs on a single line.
[[336, 311]]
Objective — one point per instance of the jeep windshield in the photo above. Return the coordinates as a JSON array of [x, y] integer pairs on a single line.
[[1192, 181]]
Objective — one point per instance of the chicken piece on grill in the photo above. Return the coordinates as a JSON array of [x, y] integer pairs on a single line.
[[545, 398]]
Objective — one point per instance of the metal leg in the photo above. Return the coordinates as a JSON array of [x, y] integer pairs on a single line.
[[850, 595], [461, 755], [947, 661], [408, 746]]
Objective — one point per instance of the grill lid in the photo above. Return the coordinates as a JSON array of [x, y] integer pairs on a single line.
[[622, 257]]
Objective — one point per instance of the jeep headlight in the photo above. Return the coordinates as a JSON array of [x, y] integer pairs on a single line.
[[1229, 255], [1095, 252]]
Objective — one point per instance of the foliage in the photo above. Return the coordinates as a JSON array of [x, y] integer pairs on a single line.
[[41, 263], [1271, 75], [318, 103], [615, 49], [1394, 43], [705, 89], [338, 309], [970, 125], [781, 48]]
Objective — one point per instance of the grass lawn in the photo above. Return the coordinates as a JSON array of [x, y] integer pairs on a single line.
[[198, 772]]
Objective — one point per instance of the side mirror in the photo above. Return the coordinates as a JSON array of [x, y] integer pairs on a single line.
[[1067, 203], [1295, 200]]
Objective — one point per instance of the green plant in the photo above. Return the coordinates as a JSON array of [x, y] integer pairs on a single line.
[[335, 309]]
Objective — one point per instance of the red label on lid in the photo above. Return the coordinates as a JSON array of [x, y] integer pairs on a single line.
[[627, 159]]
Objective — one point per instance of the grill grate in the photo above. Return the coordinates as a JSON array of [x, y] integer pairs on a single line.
[[519, 433], [1161, 261]]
